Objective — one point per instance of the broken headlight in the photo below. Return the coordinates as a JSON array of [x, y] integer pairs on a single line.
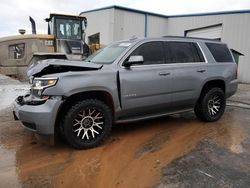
[[39, 84]]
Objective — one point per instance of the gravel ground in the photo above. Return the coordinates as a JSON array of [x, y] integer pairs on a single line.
[[209, 165], [9, 90], [242, 95]]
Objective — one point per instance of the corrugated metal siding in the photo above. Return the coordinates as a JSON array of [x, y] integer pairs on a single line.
[[101, 21], [213, 32], [177, 26], [115, 24], [235, 32], [157, 26], [128, 24]]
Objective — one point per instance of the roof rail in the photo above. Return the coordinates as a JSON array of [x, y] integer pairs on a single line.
[[181, 37]]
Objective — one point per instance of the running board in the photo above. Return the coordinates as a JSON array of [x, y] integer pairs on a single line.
[[140, 118]]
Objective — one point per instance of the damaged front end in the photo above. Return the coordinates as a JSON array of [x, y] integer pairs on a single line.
[[53, 66], [40, 79], [35, 96], [39, 72], [36, 110]]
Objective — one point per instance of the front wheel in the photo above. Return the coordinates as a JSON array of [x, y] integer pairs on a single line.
[[211, 105], [87, 124]]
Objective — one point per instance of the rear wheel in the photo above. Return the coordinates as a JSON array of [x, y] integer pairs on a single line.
[[211, 105], [87, 124]]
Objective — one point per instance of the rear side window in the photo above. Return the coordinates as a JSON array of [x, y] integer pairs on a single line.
[[152, 53], [220, 52], [182, 52]]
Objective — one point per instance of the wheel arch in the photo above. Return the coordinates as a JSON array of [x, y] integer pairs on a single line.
[[213, 83], [101, 95], [218, 82]]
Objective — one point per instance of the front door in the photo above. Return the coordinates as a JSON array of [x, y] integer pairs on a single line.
[[146, 88]]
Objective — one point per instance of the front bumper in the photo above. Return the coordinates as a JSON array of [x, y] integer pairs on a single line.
[[38, 118]]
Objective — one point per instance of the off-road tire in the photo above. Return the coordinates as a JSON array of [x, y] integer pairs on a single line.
[[202, 107], [72, 116]]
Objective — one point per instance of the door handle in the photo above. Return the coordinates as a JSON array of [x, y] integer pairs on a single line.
[[201, 71], [164, 73]]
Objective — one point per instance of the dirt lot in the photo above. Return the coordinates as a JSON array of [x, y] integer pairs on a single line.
[[175, 151]]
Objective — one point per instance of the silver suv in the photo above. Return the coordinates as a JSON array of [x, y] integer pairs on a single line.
[[127, 81]]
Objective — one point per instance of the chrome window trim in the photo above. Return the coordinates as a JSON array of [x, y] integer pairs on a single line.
[[203, 54]]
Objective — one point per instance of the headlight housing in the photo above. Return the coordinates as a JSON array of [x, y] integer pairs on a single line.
[[39, 84]]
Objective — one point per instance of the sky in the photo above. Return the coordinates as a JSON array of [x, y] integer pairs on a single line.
[[14, 14]]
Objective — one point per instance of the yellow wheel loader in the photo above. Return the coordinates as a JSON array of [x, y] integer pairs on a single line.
[[65, 40]]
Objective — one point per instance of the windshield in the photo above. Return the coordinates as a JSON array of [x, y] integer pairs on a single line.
[[108, 54], [68, 29]]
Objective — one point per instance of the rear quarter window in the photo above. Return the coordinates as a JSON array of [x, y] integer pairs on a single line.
[[220, 52]]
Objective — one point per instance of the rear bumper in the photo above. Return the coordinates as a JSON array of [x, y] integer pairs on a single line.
[[38, 118], [232, 88]]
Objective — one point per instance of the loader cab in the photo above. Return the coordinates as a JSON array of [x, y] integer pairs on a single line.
[[69, 33]]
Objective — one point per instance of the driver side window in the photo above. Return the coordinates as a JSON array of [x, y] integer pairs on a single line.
[[152, 53]]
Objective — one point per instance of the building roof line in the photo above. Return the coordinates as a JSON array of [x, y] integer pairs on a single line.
[[127, 9], [168, 16], [211, 13]]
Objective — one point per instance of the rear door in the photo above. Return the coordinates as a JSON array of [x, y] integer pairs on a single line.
[[146, 88], [186, 60]]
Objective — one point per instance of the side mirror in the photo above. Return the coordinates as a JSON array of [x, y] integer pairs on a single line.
[[137, 59]]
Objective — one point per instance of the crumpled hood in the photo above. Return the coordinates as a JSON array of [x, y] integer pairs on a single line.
[[51, 66]]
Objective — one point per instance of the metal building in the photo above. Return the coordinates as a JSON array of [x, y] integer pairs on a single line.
[[114, 23]]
